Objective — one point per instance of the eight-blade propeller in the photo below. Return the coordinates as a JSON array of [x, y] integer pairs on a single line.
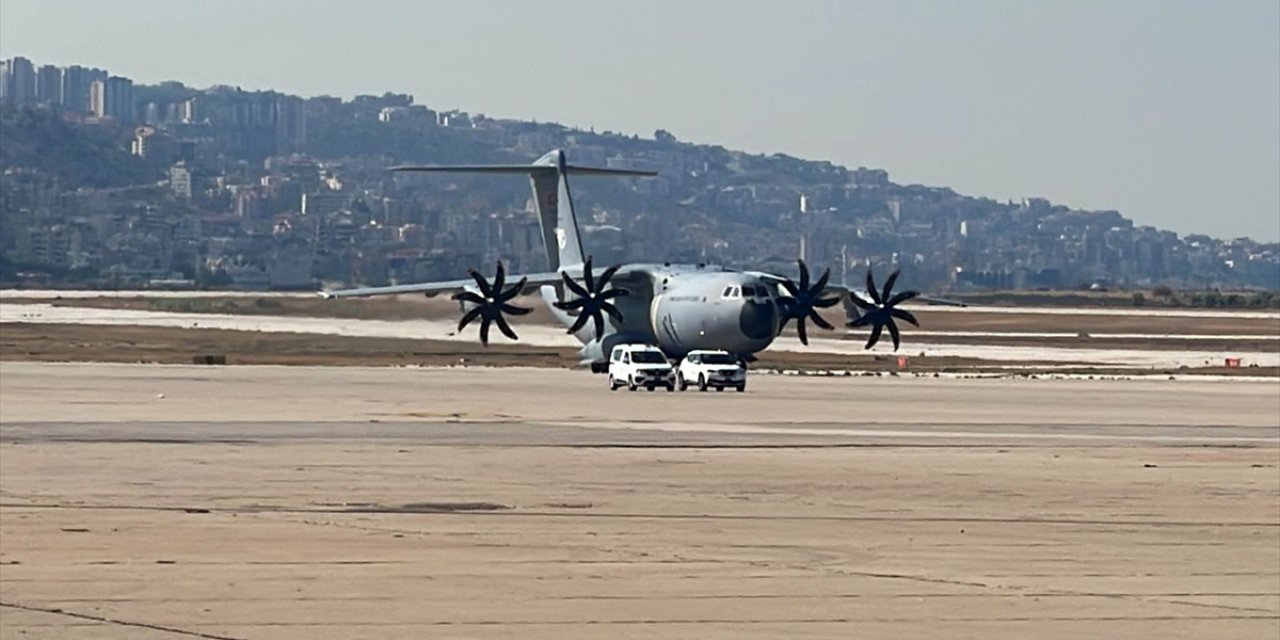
[[592, 298], [490, 303], [883, 309], [805, 302]]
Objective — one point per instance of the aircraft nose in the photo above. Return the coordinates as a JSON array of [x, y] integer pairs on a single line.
[[758, 320]]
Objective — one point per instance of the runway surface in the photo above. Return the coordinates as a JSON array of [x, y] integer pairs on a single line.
[[291, 502], [546, 335]]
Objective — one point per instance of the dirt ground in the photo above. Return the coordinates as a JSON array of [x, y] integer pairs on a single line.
[[123, 344], [406, 307], [247, 502]]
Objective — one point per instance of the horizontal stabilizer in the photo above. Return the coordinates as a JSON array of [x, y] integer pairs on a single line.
[[525, 169]]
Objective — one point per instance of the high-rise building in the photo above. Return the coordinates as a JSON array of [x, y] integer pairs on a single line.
[[112, 98], [180, 180], [187, 110], [22, 81], [75, 86], [6, 77], [98, 98], [49, 84]]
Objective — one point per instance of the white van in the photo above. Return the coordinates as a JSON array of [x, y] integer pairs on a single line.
[[717, 369], [640, 365]]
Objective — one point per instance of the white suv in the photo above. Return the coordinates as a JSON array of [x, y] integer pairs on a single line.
[[640, 365], [717, 369]]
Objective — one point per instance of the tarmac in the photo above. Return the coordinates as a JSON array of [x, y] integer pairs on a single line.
[[146, 501]]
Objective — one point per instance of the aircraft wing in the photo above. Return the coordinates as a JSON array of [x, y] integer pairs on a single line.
[[862, 294], [535, 280], [443, 286]]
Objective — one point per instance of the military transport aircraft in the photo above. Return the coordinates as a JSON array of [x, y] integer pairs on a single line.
[[678, 307]]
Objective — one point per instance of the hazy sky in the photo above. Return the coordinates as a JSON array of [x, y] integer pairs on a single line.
[[1166, 110]]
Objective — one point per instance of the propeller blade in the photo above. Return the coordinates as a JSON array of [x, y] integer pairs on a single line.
[[612, 311], [481, 282], [905, 315], [823, 303], [511, 309], [513, 291], [586, 276], [468, 317], [613, 293], [804, 338], [608, 275], [821, 284], [599, 322], [505, 328], [580, 322], [819, 320], [862, 304], [499, 279], [804, 275], [468, 296], [484, 330], [871, 288], [861, 321], [875, 336], [568, 305], [886, 291], [893, 332], [574, 286], [901, 297]]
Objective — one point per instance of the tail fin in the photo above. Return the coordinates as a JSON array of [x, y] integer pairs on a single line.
[[549, 178]]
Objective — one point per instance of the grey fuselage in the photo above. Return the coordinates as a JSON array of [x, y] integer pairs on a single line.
[[682, 308]]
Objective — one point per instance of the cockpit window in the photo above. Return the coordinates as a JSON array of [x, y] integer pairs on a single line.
[[752, 291], [728, 291]]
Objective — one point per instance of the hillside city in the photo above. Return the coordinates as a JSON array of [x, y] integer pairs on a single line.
[[107, 183]]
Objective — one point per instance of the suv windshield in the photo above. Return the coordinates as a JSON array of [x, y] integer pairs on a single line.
[[648, 357], [718, 358]]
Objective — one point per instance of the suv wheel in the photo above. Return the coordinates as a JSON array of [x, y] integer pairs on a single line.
[[702, 382], [681, 382]]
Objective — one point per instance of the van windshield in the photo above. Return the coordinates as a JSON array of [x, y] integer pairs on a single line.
[[718, 358], [648, 357]]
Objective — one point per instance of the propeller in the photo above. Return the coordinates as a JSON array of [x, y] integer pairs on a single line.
[[592, 298], [880, 312], [805, 301], [490, 303]]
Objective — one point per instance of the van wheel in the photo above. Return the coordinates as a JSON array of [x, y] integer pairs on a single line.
[[613, 386], [631, 383], [702, 382]]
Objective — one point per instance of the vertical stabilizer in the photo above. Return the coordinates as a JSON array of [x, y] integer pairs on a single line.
[[559, 222]]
